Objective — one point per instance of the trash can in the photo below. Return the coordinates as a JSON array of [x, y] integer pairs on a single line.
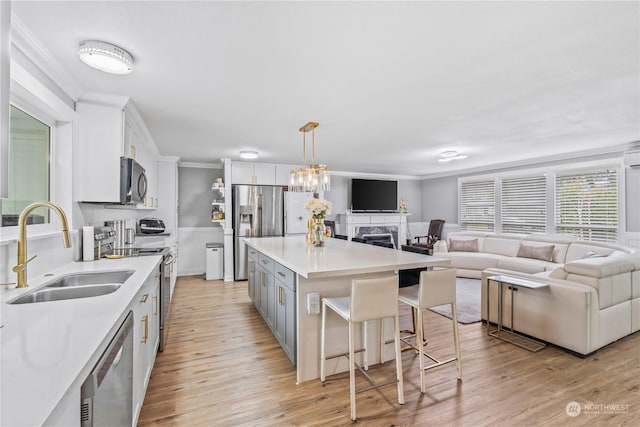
[[214, 261]]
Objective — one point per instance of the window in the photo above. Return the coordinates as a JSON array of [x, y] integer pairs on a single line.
[[29, 168], [583, 203], [587, 205], [523, 205], [477, 205]]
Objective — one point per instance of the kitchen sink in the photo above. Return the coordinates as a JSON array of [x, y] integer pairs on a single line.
[[96, 278], [56, 294]]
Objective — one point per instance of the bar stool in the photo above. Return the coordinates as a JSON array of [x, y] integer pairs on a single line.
[[436, 287], [370, 299]]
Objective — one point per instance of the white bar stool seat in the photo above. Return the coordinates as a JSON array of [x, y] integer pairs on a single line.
[[436, 287], [370, 299]]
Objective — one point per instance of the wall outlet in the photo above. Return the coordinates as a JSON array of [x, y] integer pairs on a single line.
[[313, 303]]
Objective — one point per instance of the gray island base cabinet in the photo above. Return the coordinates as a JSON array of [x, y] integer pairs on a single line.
[[288, 269], [271, 287]]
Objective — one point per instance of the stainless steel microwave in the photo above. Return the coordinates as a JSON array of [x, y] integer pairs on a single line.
[[133, 182]]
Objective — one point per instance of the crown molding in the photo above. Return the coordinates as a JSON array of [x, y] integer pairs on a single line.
[[612, 152], [24, 40], [201, 165]]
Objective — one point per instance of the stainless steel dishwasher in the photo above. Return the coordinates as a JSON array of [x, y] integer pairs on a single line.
[[106, 396]]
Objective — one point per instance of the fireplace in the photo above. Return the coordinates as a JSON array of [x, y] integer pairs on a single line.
[[380, 227], [378, 233]]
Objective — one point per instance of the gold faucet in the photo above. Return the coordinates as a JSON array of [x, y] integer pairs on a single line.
[[21, 268]]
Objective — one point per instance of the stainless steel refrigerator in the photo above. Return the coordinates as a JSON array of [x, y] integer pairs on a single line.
[[258, 211]]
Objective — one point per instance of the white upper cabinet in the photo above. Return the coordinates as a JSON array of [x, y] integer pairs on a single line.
[[110, 127], [253, 173], [283, 173]]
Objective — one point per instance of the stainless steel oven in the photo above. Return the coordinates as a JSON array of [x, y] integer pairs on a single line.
[[165, 283], [104, 241], [106, 396]]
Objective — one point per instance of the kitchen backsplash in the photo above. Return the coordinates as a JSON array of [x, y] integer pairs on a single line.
[[96, 215]]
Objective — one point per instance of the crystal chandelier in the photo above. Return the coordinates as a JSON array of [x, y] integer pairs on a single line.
[[310, 177]]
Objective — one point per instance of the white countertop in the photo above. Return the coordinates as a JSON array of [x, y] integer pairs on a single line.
[[338, 257], [48, 347]]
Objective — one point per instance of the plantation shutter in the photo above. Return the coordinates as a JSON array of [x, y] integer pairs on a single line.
[[523, 208], [477, 206], [587, 205]]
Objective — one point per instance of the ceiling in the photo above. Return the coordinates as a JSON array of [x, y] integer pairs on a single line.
[[392, 84]]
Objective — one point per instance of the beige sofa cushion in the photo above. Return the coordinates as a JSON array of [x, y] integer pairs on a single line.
[[543, 253], [599, 267], [525, 265], [471, 260], [501, 246], [579, 250], [611, 289]]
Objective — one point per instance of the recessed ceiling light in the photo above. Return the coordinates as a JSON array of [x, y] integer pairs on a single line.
[[105, 57], [447, 156], [249, 154]]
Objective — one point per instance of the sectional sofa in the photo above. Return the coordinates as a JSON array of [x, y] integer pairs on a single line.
[[593, 297]]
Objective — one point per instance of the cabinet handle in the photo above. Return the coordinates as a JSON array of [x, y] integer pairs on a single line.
[[281, 274], [157, 275], [143, 299], [155, 305], [171, 269], [251, 267], [263, 277], [265, 262], [145, 320], [280, 295]]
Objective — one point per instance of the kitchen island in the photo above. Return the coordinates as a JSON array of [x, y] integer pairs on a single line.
[[326, 271]]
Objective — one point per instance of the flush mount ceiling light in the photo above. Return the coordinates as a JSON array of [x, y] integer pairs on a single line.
[[310, 177], [105, 57], [249, 154], [447, 156]]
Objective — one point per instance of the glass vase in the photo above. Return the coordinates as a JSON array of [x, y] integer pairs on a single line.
[[318, 232]]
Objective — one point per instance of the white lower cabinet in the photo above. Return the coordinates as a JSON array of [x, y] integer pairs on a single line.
[[274, 290], [146, 337]]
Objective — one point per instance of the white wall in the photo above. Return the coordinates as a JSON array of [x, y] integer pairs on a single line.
[[633, 199], [192, 242], [440, 199]]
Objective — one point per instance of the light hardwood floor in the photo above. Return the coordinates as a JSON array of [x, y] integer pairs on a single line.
[[222, 367]]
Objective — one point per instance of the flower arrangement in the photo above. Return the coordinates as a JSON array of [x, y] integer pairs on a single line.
[[319, 208]]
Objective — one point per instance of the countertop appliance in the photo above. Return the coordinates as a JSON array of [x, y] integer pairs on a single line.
[[151, 226], [258, 211], [133, 182], [106, 396]]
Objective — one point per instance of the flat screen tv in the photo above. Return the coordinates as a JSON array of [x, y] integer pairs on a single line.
[[372, 195]]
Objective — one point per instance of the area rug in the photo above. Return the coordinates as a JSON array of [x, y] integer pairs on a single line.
[[467, 301]]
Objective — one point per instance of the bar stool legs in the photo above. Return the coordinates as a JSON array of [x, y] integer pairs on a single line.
[[370, 299], [436, 287]]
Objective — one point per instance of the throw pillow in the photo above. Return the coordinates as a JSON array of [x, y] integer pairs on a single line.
[[466, 245], [543, 253]]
